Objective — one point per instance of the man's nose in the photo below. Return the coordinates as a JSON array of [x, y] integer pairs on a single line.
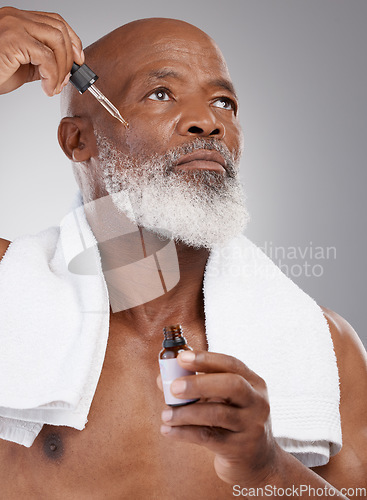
[[200, 120]]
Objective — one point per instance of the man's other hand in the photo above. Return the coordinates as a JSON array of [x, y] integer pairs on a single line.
[[232, 417], [36, 46]]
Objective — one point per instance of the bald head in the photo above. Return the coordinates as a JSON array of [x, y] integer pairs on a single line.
[[144, 34]]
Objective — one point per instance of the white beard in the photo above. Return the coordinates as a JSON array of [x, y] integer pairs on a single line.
[[198, 208]]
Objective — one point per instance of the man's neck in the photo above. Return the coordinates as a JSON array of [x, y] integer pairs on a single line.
[[183, 301], [151, 281]]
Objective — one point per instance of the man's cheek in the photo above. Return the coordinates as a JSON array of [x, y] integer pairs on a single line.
[[235, 141], [142, 142]]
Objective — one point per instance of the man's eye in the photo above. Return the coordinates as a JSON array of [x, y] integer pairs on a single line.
[[224, 103], [159, 95]]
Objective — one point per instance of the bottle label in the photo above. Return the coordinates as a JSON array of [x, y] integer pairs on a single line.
[[170, 370]]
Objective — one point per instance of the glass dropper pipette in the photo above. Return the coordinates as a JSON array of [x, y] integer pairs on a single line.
[[83, 78]]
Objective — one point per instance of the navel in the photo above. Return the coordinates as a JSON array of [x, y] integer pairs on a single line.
[[53, 446]]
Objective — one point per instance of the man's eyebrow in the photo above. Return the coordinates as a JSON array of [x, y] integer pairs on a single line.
[[224, 84], [166, 73], [163, 73]]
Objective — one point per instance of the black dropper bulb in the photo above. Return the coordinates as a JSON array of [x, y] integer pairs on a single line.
[[82, 77]]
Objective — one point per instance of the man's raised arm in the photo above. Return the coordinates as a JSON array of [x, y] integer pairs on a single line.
[[35, 46]]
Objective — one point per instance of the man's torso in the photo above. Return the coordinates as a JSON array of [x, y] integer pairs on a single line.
[[120, 453]]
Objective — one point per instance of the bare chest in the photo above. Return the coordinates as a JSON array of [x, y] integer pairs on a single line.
[[121, 453]]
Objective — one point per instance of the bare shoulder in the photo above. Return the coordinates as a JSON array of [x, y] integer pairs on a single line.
[[3, 247], [349, 467], [348, 346], [352, 364]]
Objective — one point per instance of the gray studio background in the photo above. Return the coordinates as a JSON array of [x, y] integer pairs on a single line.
[[299, 67]]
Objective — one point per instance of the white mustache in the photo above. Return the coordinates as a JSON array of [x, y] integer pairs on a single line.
[[173, 156]]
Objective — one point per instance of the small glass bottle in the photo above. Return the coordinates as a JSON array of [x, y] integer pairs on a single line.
[[174, 342]]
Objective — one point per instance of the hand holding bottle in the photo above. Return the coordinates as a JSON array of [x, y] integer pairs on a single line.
[[232, 417]]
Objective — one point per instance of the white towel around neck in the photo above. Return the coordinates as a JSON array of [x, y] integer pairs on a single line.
[[54, 330]]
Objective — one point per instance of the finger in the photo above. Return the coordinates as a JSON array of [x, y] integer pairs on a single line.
[[24, 37], [63, 49], [229, 388], [213, 438], [206, 414], [76, 43], [54, 39], [75, 40], [38, 44], [213, 362], [61, 39], [38, 59], [159, 382]]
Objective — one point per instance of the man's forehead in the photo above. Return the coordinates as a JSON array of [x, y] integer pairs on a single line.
[[174, 58], [171, 47]]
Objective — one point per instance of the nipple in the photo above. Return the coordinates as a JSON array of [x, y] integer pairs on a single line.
[[53, 446]]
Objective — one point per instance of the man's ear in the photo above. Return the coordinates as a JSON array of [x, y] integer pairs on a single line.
[[77, 139]]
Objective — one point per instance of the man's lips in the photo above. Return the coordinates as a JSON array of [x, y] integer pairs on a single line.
[[202, 159]]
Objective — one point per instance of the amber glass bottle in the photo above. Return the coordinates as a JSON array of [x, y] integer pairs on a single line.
[[174, 342]]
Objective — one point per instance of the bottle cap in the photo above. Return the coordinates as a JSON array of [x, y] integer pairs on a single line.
[[173, 336]]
